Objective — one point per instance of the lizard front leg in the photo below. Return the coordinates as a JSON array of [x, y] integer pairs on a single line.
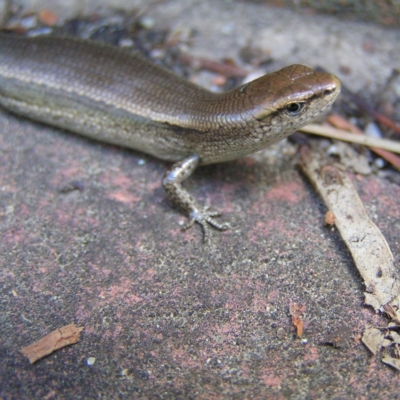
[[179, 196]]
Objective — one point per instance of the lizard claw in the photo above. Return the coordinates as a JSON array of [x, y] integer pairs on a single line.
[[204, 218]]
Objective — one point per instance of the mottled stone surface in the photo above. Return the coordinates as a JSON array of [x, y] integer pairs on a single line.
[[87, 236]]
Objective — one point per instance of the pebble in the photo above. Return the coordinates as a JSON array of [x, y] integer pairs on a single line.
[[90, 361]]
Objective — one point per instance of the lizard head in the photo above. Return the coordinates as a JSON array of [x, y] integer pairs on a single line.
[[292, 96]]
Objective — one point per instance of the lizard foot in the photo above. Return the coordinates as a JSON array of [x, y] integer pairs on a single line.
[[205, 218]]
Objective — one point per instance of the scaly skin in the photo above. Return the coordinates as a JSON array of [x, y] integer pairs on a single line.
[[115, 96]]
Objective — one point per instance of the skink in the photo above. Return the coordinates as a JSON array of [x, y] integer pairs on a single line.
[[116, 96]]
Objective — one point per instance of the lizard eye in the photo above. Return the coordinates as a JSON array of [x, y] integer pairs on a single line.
[[294, 109]]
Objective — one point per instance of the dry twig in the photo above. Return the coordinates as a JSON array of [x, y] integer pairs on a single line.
[[332, 133]]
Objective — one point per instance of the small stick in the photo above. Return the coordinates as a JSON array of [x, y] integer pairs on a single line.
[[327, 131], [341, 123]]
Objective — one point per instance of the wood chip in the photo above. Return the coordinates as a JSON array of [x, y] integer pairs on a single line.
[[364, 240], [329, 218], [55, 340], [297, 311]]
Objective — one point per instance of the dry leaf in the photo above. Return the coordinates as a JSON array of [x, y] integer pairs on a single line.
[[364, 240], [385, 339], [373, 338], [393, 362]]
